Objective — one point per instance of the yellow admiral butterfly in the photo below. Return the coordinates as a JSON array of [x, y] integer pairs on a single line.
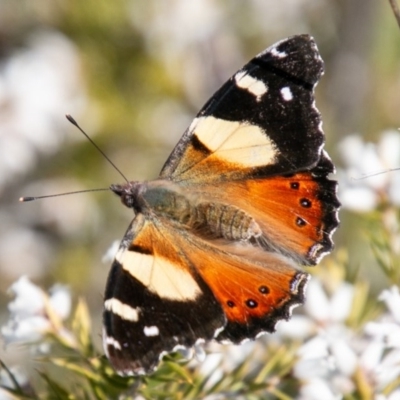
[[213, 249]]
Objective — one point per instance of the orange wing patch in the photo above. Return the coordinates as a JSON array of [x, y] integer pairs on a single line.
[[249, 291], [295, 204]]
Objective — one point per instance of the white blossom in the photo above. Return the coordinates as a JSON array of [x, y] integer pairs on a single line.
[[334, 354], [326, 361], [368, 178], [383, 366], [34, 313]]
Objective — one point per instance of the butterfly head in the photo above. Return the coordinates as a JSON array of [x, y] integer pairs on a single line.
[[130, 194]]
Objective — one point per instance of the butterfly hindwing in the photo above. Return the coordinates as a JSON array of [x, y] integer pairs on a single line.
[[255, 289]]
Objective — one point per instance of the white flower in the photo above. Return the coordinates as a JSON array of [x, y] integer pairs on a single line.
[[357, 190], [321, 311], [34, 313], [327, 360], [387, 329], [317, 389], [392, 299], [383, 364]]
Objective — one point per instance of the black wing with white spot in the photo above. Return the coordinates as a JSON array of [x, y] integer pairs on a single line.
[[262, 122]]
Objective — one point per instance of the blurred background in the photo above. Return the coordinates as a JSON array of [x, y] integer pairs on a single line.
[[134, 74]]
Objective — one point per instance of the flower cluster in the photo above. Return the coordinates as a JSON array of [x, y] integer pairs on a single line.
[[327, 355], [335, 359]]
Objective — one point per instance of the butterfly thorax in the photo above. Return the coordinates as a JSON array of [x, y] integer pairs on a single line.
[[209, 218]]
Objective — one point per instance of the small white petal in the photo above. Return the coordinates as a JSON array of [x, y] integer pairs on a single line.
[[298, 327], [395, 395], [317, 304], [359, 199], [389, 148], [29, 298], [26, 331], [211, 363], [394, 188], [350, 149], [370, 163], [387, 332], [341, 302], [317, 347], [372, 355], [389, 369], [318, 389], [311, 368], [392, 359], [345, 357], [391, 297], [60, 300], [342, 384]]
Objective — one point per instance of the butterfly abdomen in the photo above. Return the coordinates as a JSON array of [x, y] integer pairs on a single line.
[[210, 219], [228, 222]]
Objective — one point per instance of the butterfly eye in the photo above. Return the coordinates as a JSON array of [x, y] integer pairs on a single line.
[[127, 200]]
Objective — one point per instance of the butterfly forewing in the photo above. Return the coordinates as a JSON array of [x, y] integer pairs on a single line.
[[261, 122]]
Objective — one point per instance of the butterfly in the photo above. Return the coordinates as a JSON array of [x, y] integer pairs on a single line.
[[214, 248]]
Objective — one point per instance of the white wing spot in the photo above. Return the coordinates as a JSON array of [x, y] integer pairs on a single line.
[[159, 275], [112, 342], [286, 93], [236, 142], [251, 84], [151, 331], [277, 53], [125, 311]]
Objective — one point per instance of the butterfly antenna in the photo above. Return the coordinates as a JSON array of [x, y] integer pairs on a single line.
[[365, 176], [30, 198], [73, 122]]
